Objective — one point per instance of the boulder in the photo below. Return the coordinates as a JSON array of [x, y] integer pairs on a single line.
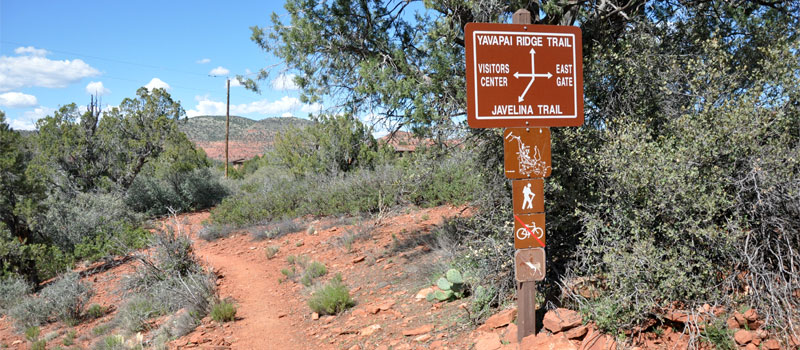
[[499, 319], [561, 319], [488, 341], [743, 337], [419, 330]]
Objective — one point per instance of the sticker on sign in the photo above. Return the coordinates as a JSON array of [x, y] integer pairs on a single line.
[[523, 75]]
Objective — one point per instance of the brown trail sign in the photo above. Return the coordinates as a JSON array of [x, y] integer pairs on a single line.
[[526, 78], [529, 265], [528, 196], [523, 75], [526, 153], [529, 231]]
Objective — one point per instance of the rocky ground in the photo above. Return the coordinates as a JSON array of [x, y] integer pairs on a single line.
[[388, 263]]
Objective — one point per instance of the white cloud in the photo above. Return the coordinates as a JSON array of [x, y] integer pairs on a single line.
[[96, 87], [284, 82], [283, 106], [36, 70], [156, 83], [287, 115], [235, 82], [314, 108], [29, 118], [30, 50], [17, 100], [219, 71], [203, 61]]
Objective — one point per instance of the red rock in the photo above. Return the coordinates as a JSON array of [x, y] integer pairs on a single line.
[[598, 341], [740, 318], [511, 334], [423, 293], [328, 319], [423, 338], [314, 316], [382, 347], [750, 315], [732, 323], [577, 332], [436, 344], [359, 259], [543, 341], [751, 346], [743, 337], [419, 330], [771, 344], [373, 309], [281, 314], [500, 319], [369, 330], [755, 341], [355, 347], [561, 319], [386, 305], [488, 341]]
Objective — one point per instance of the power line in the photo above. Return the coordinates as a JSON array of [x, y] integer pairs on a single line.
[[112, 60]]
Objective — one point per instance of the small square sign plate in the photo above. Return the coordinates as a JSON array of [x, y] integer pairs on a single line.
[[529, 231], [528, 196], [529, 265], [526, 153]]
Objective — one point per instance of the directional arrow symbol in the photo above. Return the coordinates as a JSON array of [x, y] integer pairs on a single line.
[[531, 75]]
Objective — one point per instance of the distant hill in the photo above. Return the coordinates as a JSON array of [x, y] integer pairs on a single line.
[[248, 138]]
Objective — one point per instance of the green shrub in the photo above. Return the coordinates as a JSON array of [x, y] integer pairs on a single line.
[[719, 335], [12, 290], [39, 345], [332, 298], [193, 190], [223, 311], [278, 229], [271, 251], [69, 338], [314, 270], [96, 311], [32, 333], [134, 314], [63, 299], [212, 232]]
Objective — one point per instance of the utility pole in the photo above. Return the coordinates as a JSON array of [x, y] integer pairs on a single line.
[[227, 125]]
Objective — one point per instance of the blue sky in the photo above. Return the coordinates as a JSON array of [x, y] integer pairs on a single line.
[[57, 52]]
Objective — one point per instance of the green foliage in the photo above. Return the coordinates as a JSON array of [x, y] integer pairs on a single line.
[[133, 316], [271, 251], [96, 311], [179, 179], [718, 335], [12, 290], [39, 345], [223, 311], [69, 338], [314, 270], [214, 231], [451, 286], [423, 180], [332, 298], [331, 145], [64, 299], [168, 280], [32, 333]]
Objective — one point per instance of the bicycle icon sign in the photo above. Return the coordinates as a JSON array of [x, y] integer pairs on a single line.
[[529, 231], [525, 233]]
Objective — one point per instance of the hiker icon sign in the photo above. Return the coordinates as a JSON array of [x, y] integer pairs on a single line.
[[528, 196]]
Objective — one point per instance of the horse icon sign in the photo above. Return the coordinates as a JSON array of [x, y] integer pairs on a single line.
[[523, 75]]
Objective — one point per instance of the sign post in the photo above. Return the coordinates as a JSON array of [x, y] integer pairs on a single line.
[[525, 78]]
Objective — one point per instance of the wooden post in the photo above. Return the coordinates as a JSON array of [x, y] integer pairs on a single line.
[[227, 125], [526, 293]]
